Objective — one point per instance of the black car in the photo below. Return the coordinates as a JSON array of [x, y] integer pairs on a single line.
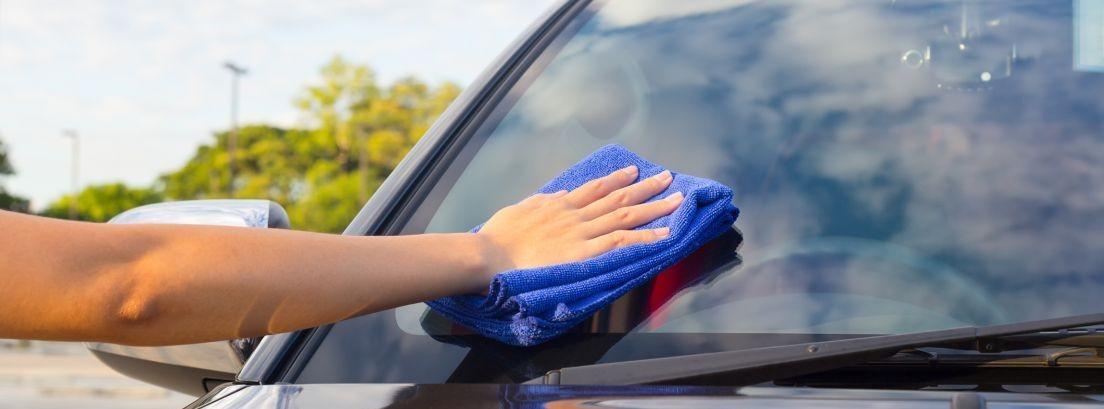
[[922, 216]]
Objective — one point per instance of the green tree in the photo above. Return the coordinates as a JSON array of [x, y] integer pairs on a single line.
[[5, 164], [343, 89], [355, 133], [99, 203], [331, 205], [7, 200], [271, 162]]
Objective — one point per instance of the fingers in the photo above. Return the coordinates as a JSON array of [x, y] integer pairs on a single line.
[[627, 196], [624, 238], [633, 216], [599, 188]]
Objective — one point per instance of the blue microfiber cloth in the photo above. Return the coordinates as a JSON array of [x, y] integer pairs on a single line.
[[530, 306]]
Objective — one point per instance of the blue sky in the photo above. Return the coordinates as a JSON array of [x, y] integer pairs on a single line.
[[143, 84]]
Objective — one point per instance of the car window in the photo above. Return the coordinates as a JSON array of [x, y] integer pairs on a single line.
[[900, 165]]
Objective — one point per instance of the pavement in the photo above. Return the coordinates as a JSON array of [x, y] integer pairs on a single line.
[[47, 375]]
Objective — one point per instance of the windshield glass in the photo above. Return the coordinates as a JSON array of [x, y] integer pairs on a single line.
[[900, 165]]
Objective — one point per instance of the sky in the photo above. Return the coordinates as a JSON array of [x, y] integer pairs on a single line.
[[142, 83]]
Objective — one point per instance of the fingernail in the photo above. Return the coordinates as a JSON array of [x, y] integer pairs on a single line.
[[630, 170], [674, 197], [664, 176], [663, 232], [560, 193]]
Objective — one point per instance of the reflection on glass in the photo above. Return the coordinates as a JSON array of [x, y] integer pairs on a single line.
[[901, 165], [887, 184]]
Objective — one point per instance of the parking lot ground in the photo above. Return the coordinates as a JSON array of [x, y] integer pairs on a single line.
[[46, 375]]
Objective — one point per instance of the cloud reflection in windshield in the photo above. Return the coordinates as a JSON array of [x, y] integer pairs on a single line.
[[809, 111]]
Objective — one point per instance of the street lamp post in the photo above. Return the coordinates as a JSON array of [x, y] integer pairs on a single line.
[[236, 71], [74, 170]]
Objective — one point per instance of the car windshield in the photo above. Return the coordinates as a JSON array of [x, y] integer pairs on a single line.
[[900, 166]]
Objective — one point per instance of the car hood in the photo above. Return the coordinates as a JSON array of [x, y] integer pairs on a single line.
[[339, 396]]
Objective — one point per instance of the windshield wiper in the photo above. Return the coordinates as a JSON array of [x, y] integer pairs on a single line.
[[751, 366]]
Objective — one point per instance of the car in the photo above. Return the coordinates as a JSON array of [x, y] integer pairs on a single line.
[[922, 211]]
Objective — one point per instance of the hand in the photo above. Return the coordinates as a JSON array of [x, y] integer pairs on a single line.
[[562, 227]]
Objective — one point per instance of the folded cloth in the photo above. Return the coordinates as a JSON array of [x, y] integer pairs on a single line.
[[530, 306]]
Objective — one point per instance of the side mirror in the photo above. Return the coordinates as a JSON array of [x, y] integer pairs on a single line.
[[196, 368]]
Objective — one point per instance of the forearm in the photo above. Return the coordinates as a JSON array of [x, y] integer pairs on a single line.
[[240, 282], [171, 284]]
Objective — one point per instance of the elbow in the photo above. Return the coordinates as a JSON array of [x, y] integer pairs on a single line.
[[131, 310], [135, 310], [131, 320]]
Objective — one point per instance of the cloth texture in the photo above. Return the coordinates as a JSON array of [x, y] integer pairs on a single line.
[[526, 307]]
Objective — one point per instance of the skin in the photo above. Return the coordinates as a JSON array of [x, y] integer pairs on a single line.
[[177, 284]]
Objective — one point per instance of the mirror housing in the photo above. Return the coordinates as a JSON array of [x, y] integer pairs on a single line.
[[192, 369]]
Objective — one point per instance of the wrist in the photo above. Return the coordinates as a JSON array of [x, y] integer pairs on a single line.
[[489, 257]]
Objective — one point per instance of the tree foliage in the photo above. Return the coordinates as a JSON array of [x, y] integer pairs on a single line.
[[9, 201], [99, 203], [5, 164], [355, 132]]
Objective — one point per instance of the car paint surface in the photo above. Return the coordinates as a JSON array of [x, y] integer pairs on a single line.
[[339, 396]]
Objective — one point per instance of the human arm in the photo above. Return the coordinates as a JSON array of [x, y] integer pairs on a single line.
[[174, 284]]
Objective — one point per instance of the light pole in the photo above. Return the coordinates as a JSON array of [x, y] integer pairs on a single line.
[[236, 71], [74, 170]]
